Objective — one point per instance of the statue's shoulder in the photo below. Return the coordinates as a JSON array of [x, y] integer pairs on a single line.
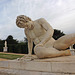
[[41, 20]]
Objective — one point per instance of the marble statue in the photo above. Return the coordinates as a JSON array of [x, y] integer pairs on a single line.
[[40, 32], [5, 48], [5, 43], [72, 50]]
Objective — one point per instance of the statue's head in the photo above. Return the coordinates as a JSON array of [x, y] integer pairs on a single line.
[[22, 20]]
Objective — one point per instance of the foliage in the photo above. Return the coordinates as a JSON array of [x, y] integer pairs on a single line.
[[10, 40], [1, 44], [57, 34], [74, 46]]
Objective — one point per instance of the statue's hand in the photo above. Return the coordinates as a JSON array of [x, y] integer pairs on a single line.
[[26, 58]]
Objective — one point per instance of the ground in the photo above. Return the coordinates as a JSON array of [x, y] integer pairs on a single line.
[[9, 56]]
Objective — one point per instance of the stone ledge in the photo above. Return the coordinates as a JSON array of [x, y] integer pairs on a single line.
[[28, 65], [64, 67], [25, 72], [42, 65]]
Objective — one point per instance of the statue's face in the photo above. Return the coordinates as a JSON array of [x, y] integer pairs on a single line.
[[22, 21], [23, 18]]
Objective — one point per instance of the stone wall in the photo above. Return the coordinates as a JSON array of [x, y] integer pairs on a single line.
[[41, 67]]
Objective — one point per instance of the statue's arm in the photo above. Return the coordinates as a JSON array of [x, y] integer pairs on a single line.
[[30, 45], [48, 28]]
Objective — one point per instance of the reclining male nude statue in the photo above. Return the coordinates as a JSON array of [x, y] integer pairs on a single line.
[[40, 32]]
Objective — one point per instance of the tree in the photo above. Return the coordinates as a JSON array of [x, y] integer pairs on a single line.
[[10, 37], [74, 46], [16, 46], [25, 39], [57, 34], [10, 40], [11, 43], [1, 45]]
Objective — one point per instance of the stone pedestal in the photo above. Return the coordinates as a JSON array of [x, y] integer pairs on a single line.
[[52, 66], [5, 49]]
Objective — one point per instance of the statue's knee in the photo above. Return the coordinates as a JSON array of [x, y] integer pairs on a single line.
[[38, 52]]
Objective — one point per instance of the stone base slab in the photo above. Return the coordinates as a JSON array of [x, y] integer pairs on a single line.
[[51, 66]]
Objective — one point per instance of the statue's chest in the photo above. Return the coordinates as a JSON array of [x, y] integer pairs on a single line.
[[36, 32], [31, 34], [38, 29]]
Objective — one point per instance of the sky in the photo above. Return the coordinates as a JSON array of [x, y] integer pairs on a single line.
[[59, 13]]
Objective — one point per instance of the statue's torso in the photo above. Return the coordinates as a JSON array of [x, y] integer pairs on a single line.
[[37, 33]]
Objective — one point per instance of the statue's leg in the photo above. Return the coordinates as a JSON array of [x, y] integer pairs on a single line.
[[42, 52], [65, 41]]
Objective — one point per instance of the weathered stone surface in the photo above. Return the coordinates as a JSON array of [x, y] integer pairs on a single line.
[[45, 73], [4, 64], [28, 65], [25, 72], [18, 72], [37, 67], [31, 73], [66, 67], [40, 32], [66, 74], [58, 59]]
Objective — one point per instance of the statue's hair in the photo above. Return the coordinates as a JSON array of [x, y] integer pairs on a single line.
[[24, 19]]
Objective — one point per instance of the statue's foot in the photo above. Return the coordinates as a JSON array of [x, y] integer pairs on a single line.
[[67, 53]]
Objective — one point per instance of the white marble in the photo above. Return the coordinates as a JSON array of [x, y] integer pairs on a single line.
[[5, 47], [40, 32]]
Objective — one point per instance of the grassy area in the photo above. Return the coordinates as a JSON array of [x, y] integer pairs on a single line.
[[10, 56]]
